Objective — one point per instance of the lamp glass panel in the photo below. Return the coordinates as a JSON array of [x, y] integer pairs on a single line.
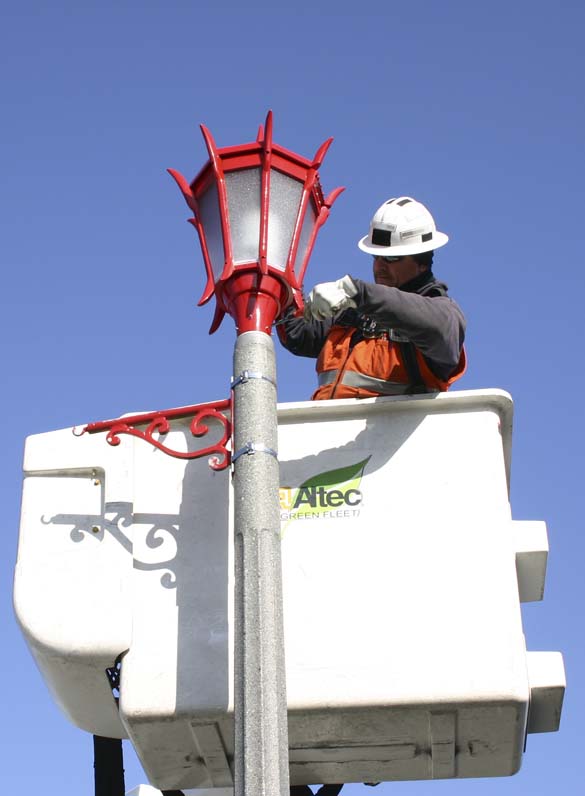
[[309, 222], [285, 198], [208, 206], [243, 195]]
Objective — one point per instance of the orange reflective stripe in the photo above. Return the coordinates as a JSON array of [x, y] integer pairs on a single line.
[[351, 378]]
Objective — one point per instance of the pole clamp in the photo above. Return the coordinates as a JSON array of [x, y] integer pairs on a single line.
[[246, 375], [253, 447]]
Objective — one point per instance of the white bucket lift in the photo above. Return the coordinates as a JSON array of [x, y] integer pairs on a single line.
[[403, 576]]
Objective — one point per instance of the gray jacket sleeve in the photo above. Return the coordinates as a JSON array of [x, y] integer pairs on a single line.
[[302, 337], [435, 324]]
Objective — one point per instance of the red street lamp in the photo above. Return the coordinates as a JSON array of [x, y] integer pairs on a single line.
[[258, 208]]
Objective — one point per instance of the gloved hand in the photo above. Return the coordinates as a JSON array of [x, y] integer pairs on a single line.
[[329, 298]]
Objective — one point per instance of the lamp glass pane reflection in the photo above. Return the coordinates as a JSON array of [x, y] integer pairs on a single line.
[[243, 198], [208, 205], [309, 223], [285, 198]]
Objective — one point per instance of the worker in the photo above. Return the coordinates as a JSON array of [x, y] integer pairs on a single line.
[[401, 333]]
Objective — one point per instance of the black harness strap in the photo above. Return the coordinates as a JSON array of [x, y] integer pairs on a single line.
[[415, 378]]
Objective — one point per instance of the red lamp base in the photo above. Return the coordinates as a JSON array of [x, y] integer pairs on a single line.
[[254, 300]]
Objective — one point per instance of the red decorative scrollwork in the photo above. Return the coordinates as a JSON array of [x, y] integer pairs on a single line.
[[158, 423]]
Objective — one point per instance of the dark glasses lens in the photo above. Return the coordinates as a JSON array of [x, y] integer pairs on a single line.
[[387, 259]]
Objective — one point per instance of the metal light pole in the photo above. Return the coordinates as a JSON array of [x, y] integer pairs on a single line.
[[261, 733], [257, 208]]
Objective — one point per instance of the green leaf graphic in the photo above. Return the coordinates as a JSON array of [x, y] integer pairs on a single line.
[[351, 473]]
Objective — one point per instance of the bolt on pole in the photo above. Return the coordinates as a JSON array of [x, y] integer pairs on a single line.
[[260, 706]]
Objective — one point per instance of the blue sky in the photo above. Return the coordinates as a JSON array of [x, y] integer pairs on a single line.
[[475, 109]]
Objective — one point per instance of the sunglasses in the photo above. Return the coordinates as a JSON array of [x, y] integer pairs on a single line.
[[387, 259]]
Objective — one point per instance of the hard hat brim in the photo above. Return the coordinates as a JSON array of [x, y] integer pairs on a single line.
[[439, 239]]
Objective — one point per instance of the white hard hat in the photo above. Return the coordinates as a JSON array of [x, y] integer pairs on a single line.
[[400, 227]]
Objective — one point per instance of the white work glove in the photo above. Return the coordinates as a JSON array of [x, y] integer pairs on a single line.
[[329, 298]]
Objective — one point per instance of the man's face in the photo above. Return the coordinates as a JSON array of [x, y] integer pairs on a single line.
[[395, 271]]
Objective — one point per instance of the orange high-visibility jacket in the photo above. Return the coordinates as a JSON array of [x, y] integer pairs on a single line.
[[375, 366]]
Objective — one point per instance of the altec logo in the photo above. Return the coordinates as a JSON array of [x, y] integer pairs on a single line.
[[334, 494]]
